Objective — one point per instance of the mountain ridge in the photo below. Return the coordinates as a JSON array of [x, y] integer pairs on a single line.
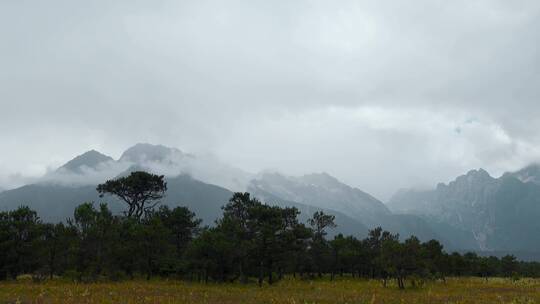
[[499, 213], [325, 191], [475, 211]]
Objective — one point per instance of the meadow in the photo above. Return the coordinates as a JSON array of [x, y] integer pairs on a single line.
[[343, 290]]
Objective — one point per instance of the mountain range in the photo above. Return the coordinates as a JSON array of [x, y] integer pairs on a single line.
[[479, 211], [474, 212]]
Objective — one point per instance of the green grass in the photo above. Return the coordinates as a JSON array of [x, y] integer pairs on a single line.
[[462, 290]]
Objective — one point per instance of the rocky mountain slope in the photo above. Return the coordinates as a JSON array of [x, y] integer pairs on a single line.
[[324, 191], [496, 214]]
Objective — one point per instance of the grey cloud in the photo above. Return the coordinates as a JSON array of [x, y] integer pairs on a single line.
[[275, 84]]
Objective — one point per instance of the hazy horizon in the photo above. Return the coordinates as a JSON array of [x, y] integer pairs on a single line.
[[382, 96]]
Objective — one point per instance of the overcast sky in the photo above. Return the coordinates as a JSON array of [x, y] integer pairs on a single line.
[[381, 94]]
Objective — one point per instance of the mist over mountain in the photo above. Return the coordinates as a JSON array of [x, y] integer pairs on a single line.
[[474, 212], [324, 191], [56, 202], [55, 195], [497, 213], [201, 183], [93, 167], [89, 160], [529, 174], [145, 153]]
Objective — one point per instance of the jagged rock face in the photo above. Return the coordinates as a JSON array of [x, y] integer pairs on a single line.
[[465, 203], [492, 210], [323, 191]]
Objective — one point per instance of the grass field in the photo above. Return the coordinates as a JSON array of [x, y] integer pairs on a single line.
[[463, 290]]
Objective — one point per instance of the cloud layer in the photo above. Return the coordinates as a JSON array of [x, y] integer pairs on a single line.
[[382, 94]]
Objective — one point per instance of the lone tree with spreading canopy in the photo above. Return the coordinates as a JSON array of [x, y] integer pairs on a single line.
[[141, 191]]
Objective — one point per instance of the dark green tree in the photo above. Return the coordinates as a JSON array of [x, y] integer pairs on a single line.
[[57, 242], [141, 191], [434, 259], [4, 245], [271, 226], [392, 260], [154, 246], [182, 224], [320, 222], [320, 249], [21, 241], [374, 243], [338, 246], [237, 223], [509, 265], [213, 255], [96, 234]]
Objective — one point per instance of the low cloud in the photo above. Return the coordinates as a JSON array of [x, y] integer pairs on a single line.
[[206, 168], [383, 95], [85, 175]]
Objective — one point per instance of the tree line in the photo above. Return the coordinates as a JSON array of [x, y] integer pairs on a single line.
[[251, 242]]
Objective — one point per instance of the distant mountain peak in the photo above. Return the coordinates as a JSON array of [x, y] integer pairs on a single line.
[[479, 173], [323, 191], [144, 152], [91, 159], [473, 178], [322, 179]]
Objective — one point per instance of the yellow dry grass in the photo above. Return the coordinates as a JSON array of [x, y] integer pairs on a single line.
[[345, 290]]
